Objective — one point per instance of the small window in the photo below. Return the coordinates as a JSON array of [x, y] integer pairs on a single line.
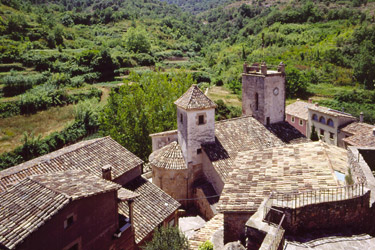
[[331, 135], [322, 132], [69, 221], [256, 101], [300, 122], [268, 121], [181, 118], [293, 119], [330, 123], [322, 120], [201, 120], [199, 151], [314, 117]]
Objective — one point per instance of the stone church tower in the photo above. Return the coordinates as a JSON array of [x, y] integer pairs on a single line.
[[263, 93], [195, 123]]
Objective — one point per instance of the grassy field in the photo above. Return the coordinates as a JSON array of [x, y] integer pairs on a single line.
[[42, 123], [219, 92]]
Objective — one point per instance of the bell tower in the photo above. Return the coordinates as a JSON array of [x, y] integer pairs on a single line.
[[263, 93], [195, 123]]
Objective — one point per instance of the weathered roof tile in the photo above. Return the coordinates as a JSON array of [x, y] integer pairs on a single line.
[[169, 157], [151, 207], [89, 156], [194, 98]]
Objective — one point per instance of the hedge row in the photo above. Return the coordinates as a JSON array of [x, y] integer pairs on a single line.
[[41, 100]]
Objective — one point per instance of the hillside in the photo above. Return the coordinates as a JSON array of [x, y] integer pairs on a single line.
[[55, 54], [198, 6]]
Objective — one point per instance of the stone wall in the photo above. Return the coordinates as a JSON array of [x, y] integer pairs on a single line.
[[360, 171], [270, 90], [353, 213], [211, 174], [234, 225], [202, 204], [162, 139]]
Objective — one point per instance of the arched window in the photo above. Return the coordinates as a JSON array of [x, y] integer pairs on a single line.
[[256, 101], [322, 120], [314, 117], [330, 123]]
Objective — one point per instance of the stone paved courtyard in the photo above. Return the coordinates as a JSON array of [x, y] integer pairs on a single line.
[[345, 240]]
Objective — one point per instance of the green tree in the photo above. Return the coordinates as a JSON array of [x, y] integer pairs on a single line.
[[364, 64], [206, 246], [296, 85], [167, 238], [136, 40], [142, 106], [314, 135]]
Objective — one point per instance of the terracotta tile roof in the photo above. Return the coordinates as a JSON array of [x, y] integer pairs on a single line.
[[205, 233], [89, 156], [362, 134], [27, 205], [331, 112], [299, 109], [124, 194], [75, 184], [295, 167], [151, 207], [236, 135], [194, 98], [287, 133], [168, 157]]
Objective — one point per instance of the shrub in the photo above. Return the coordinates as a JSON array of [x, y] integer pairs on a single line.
[[17, 84], [167, 238], [206, 246]]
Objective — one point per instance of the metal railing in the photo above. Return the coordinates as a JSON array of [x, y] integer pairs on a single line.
[[300, 199]]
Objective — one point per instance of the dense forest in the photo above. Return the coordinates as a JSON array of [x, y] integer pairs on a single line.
[[73, 70]]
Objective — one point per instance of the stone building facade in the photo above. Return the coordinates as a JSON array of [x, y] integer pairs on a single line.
[[327, 123], [263, 93]]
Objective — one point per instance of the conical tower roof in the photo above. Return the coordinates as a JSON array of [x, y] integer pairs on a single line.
[[194, 98]]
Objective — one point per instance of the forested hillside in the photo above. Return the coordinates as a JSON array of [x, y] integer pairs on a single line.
[[198, 6], [67, 67]]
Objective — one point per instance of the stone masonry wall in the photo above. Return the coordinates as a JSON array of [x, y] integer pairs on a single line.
[[353, 213], [202, 204], [234, 226]]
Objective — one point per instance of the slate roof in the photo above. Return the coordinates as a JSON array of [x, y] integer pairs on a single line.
[[168, 157], [287, 133], [151, 207], [194, 98], [27, 205], [236, 135], [362, 134], [295, 167], [299, 109], [89, 156]]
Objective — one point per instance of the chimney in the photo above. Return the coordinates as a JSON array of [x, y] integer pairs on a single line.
[[263, 68], [107, 172], [245, 68], [298, 99], [316, 104], [342, 109], [281, 67], [310, 100], [361, 117]]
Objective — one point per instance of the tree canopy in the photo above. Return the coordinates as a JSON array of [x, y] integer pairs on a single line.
[[142, 106]]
